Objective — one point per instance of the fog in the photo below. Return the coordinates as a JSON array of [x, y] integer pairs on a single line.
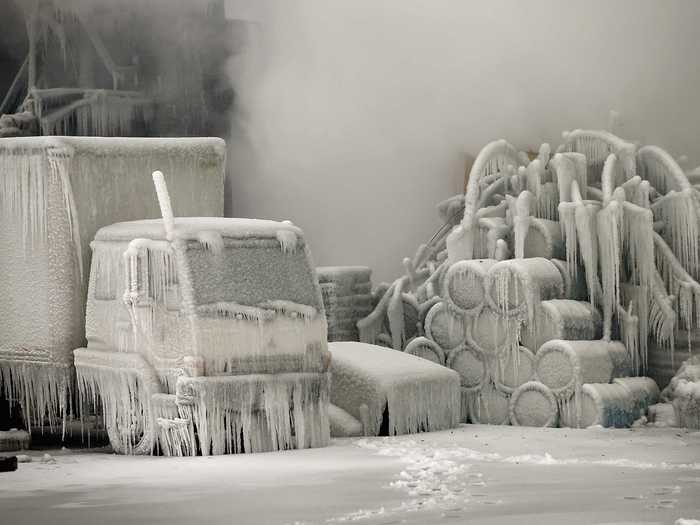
[[355, 117]]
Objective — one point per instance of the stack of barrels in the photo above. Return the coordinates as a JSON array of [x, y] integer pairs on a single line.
[[347, 298], [527, 351]]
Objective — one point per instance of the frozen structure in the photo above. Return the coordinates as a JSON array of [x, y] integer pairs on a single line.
[[55, 193], [555, 281], [390, 393], [117, 68], [205, 335], [680, 404], [347, 298]]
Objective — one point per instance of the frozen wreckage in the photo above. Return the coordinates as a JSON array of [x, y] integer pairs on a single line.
[[554, 278], [218, 344]]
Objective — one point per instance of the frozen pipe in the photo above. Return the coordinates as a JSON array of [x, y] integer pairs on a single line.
[[658, 167], [607, 405], [427, 349], [502, 252], [514, 369], [371, 326], [679, 211], [670, 260], [490, 407], [166, 208], [533, 405], [445, 326], [463, 285], [574, 285], [544, 153], [597, 144], [472, 366], [562, 365], [580, 170], [491, 229], [533, 176], [643, 390], [563, 319], [460, 242], [607, 178], [514, 287], [492, 333], [565, 171], [521, 222], [497, 210], [544, 239]]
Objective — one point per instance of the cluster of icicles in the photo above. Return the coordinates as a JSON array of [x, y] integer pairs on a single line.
[[549, 280]]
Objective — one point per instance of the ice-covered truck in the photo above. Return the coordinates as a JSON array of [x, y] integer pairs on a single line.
[[205, 335]]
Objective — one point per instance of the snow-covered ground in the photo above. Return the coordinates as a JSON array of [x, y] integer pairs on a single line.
[[476, 473]]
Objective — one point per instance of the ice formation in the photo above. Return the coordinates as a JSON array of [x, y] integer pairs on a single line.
[[62, 190], [533, 405], [205, 335], [416, 394], [681, 398], [586, 257]]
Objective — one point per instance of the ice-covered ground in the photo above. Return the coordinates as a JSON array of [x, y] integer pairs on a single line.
[[479, 474]]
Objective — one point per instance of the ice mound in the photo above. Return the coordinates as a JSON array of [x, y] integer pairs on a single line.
[[418, 395]]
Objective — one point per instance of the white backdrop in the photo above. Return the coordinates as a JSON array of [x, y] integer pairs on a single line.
[[354, 116]]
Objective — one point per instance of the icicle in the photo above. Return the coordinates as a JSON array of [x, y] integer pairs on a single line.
[[638, 242], [275, 412], [567, 222], [629, 328], [125, 402], [212, 241], [287, 240], [608, 225], [43, 390], [60, 167], [521, 222], [395, 315], [24, 191], [678, 210]]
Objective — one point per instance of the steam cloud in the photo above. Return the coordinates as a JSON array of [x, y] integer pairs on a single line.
[[355, 117]]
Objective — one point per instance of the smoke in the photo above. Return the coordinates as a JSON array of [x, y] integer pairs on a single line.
[[354, 118]]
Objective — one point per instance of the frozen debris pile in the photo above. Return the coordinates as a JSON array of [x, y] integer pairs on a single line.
[[681, 398], [393, 393], [205, 335], [65, 189], [552, 277], [347, 298]]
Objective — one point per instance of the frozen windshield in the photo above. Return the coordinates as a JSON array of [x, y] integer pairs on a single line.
[[251, 272]]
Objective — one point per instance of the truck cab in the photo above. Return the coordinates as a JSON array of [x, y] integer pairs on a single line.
[[205, 335]]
